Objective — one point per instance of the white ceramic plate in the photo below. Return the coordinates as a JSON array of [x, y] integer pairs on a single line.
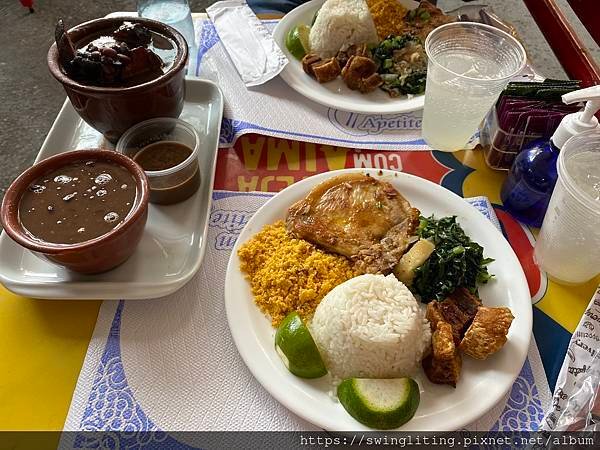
[[334, 94], [172, 246], [482, 383]]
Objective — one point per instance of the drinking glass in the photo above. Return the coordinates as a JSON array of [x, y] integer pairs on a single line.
[[568, 246], [469, 64], [175, 13]]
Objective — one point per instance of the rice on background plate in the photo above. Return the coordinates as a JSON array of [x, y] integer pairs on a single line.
[[341, 23], [371, 326]]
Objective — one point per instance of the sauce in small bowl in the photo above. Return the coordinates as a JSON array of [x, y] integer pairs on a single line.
[[84, 209], [167, 149]]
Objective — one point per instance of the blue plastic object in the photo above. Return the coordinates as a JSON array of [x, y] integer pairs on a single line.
[[527, 190]]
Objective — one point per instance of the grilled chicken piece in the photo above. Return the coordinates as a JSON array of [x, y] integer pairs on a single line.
[[444, 363], [360, 74], [487, 333], [384, 255], [357, 216], [322, 70]]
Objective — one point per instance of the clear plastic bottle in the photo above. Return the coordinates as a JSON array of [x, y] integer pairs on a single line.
[[175, 13], [528, 187], [567, 248]]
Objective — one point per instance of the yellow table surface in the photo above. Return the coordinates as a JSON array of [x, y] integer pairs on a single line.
[[43, 342], [42, 347]]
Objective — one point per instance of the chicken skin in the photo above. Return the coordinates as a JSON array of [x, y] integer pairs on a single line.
[[357, 216]]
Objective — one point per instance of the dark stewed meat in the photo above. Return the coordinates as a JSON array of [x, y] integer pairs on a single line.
[[133, 34], [109, 60], [66, 50]]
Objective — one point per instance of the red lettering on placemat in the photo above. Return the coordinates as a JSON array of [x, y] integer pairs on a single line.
[[261, 163]]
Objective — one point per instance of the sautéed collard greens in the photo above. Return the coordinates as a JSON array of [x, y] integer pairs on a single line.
[[457, 261]]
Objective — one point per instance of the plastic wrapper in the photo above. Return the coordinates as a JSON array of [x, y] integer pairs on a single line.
[[253, 51], [576, 400]]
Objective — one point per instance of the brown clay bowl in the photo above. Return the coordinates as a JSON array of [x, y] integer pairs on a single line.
[[95, 255], [112, 110]]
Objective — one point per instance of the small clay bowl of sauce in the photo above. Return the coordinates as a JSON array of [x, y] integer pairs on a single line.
[[167, 149], [83, 209]]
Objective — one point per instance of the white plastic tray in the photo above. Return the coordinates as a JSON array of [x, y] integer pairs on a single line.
[[173, 243]]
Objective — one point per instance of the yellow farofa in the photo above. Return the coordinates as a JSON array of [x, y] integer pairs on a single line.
[[388, 16], [288, 274]]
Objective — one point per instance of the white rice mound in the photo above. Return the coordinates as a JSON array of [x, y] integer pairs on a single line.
[[371, 326], [339, 24]]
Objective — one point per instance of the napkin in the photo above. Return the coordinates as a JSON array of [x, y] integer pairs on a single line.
[[170, 364], [274, 109], [252, 50]]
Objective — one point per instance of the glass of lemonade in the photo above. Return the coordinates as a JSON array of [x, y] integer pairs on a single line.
[[469, 65]]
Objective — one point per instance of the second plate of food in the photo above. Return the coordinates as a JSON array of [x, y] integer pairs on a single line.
[[397, 64], [459, 324]]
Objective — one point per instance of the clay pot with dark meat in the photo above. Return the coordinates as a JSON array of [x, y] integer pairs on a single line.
[[115, 87]]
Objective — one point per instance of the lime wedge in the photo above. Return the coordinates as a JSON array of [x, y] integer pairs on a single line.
[[297, 41], [380, 403], [303, 34], [297, 349]]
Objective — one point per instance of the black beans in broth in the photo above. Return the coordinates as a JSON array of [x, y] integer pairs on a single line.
[[77, 202]]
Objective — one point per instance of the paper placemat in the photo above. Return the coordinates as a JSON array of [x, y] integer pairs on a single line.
[[275, 109], [170, 364]]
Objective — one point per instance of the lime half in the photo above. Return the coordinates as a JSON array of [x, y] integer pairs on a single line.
[[297, 349], [380, 403], [297, 41]]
